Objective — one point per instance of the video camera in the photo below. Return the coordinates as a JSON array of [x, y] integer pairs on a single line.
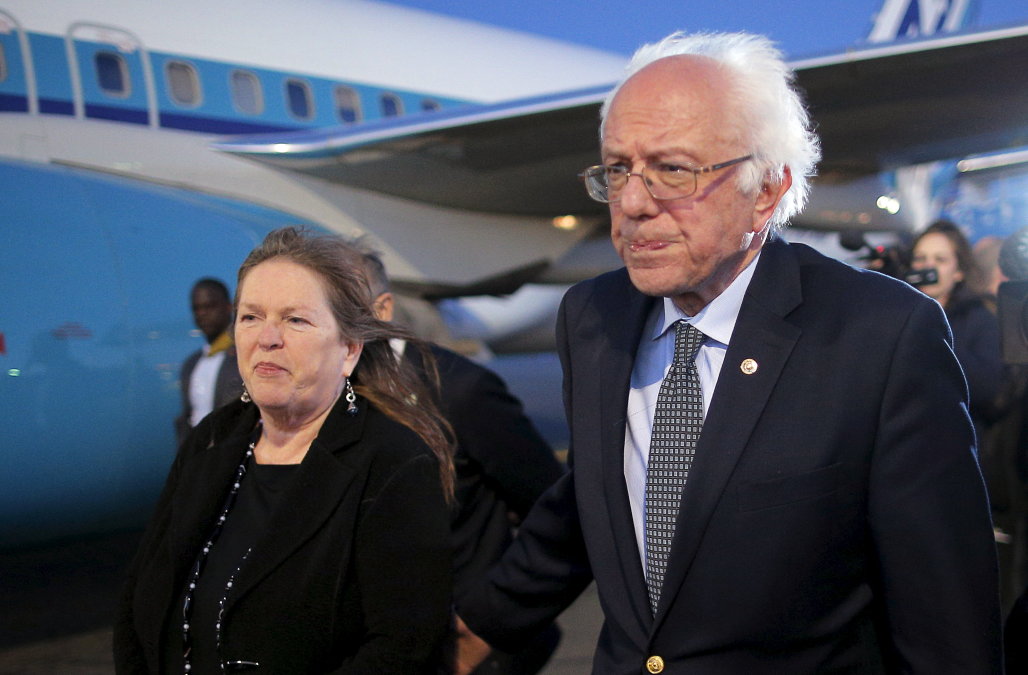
[[1012, 300], [891, 260]]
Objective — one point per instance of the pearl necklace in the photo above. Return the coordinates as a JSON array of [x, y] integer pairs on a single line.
[[201, 559]]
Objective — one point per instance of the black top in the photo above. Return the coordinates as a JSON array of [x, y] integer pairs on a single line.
[[259, 493], [976, 341], [352, 574]]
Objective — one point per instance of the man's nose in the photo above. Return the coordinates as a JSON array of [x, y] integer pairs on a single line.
[[636, 198]]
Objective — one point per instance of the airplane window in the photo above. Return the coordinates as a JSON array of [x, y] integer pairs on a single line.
[[348, 105], [298, 94], [391, 105], [429, 105], [183, 83], [112, 74], [3, 63], [246, 92]]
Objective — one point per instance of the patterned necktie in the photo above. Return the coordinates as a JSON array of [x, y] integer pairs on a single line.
[[677, 421]]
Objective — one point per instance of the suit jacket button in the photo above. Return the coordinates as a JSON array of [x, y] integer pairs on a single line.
[[655, 664]]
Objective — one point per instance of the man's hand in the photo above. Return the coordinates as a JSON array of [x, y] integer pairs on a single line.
[[471, 649]]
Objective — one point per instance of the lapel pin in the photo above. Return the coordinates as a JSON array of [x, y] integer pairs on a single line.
[[748, 367]]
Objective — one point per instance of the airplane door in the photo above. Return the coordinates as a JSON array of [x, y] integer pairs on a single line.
[[15, 83], [111, 75]]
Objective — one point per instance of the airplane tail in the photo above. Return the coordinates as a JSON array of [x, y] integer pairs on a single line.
[[898, 19]]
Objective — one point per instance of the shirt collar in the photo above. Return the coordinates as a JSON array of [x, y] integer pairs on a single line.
[[399, 346], [220, 344], [717, 319]]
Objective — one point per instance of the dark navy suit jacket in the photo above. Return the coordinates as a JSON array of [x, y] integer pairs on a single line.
[[834, 519]]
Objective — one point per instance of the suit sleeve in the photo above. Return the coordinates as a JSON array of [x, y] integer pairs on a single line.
[[543, 571], [403, 568], [928, 513]]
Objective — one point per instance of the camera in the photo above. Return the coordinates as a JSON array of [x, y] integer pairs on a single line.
[[925, 277], [891, 260]]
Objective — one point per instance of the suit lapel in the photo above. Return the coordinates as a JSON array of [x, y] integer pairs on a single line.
[[197, 506], [195, 513], [622, 325], [761, 334]]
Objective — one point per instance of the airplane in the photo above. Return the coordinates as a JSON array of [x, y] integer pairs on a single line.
[[145, 145], [114, 204]]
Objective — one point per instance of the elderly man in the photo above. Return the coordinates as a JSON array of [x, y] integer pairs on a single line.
[[773, 467]]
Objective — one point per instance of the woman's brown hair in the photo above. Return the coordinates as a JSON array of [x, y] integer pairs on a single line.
[[388, 382]]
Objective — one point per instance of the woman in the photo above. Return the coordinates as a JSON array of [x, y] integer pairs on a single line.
[[943, 247], [304, 528]]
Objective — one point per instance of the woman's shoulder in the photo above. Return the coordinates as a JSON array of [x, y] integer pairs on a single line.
[[234, 419], [369, 437], [392, 441], [394, 458]]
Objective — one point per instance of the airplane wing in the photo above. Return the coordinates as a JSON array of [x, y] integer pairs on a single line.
[[875, 109], [921, 101], [519, 157]]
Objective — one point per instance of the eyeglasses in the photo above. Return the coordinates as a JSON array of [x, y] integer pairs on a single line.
[[664, 182]]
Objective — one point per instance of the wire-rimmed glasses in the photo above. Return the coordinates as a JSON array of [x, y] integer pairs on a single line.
[[664, 181]]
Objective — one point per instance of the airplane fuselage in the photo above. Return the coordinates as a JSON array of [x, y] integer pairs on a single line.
[[115, 203]]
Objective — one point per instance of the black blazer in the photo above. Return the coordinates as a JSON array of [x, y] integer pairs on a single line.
[[228, 386], [353, 575], [834, 519], [503, 465]]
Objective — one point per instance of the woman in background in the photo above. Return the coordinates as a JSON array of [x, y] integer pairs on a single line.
[[304, 528], [944, 248]]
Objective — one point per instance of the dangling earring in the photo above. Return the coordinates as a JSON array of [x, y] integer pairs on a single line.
[[351, 398], [245, 398]]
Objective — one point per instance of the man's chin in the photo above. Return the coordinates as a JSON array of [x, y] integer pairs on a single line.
[[654, 282]]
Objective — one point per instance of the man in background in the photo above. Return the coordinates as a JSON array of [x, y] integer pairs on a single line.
[[210, 376], [503, 464]]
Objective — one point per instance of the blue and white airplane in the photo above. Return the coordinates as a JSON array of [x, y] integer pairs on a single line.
[[144, 145], [115, 203]]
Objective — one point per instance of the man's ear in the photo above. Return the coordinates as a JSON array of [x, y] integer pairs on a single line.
[[383, 306], [768, 197]]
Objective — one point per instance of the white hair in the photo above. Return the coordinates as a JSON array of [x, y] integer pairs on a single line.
[[774, 122]]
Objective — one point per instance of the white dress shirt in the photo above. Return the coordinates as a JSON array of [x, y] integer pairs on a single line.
[[653, 360], [202, 382]]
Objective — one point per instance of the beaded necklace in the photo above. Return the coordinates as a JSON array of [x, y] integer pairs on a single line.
[[201, 559]]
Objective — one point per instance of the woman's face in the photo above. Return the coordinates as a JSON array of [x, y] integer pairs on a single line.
[[934, 250], [291, 356]]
